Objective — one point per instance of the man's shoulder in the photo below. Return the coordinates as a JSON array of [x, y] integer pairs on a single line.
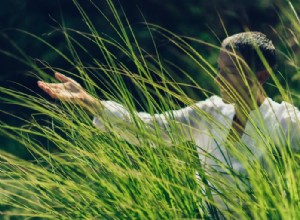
[[288, 121], [215, 104], [288, 111], [210, 102], [283, 110]]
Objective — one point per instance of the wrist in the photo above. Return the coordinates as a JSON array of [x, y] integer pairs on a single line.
[[91, 104]]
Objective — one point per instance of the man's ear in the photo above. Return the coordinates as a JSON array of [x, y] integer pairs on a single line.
[[262, 76]]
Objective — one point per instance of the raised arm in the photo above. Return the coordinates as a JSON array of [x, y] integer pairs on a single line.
[[108, 113]]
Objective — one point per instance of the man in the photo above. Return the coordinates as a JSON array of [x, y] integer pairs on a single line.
[[243, 115]]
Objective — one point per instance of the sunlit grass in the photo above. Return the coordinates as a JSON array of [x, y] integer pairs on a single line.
[[130, 170]]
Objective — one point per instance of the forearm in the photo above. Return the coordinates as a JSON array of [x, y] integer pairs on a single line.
[[168, 127]]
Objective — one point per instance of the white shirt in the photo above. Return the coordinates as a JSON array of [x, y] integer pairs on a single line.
[[208, 124]]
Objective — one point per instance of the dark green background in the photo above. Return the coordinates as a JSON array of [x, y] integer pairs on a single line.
[[195, 18]]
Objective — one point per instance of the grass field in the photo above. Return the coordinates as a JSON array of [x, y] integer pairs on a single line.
[[80, 172]]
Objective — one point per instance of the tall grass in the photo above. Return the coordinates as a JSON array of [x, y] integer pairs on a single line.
[[130, 171]]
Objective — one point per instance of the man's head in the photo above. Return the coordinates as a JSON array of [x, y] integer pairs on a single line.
[[240, 64]]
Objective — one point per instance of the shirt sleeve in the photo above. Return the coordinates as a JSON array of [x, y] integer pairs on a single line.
[[169, 126]]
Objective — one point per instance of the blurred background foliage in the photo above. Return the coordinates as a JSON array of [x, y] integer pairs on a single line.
[[199, 19]]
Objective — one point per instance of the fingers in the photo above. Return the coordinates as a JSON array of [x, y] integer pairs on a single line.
[[48, 89], [61, 77], [65, 79], [41, 84]]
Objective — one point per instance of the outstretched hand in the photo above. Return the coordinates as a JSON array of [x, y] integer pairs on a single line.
[[70, 91]]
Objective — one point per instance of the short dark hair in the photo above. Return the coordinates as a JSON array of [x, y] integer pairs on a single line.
[[247, 43]]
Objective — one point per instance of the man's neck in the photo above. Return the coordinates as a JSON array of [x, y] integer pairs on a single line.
[[242, 114], [242, 111]]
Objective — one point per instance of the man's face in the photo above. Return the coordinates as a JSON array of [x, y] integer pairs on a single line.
[[233, 77]]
